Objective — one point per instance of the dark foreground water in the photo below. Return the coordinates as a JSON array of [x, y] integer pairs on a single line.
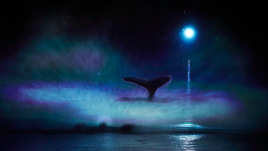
[[107, 141]]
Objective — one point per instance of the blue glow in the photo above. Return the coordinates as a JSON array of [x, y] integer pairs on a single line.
[[189, 33], [89, 104], [186, 125]]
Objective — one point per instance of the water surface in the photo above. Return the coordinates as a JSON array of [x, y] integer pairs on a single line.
[[107, 141]]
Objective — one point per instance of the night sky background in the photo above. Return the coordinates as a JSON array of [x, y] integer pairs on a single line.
[[73, 43]]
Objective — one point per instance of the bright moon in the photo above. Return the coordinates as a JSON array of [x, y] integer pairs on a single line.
[[188, 33]]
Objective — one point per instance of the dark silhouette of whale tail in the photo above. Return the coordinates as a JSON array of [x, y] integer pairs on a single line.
[[151, 85]]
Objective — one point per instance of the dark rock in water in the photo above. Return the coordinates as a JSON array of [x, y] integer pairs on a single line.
[[103, 127], [126, 128], [82, 128]]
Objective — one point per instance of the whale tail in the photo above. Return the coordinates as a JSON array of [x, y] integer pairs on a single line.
[[151, 85]]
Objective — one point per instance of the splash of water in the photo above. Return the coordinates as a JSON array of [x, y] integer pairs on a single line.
[[189, 104]]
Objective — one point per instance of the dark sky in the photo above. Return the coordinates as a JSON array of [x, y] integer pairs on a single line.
[[144, 28]]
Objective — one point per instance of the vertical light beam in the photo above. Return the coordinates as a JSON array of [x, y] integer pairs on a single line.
[[189, 114]]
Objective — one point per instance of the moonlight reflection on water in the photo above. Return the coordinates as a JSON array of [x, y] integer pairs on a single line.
[[185, 142]]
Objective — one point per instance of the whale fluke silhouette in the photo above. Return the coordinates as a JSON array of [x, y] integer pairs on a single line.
[[151, 85]]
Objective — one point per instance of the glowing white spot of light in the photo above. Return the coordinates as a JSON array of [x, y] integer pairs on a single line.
[[188, 33]]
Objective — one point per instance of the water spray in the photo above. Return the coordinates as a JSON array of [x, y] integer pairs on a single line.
[[189, 116]]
